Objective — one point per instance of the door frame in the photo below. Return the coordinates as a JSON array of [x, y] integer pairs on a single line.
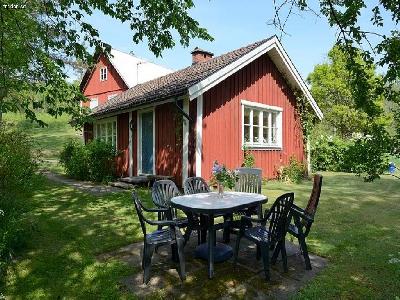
[[139, 139]]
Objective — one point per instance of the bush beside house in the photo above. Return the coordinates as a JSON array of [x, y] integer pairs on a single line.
[[94, 161]]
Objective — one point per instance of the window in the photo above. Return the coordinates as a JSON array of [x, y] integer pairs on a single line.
[[103, 73], [94, 102], [106, 130], [262, 125]]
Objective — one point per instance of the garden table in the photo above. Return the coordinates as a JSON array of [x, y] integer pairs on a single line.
[[211, 205]]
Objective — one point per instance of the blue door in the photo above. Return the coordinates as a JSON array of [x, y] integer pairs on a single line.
[[147, 142]]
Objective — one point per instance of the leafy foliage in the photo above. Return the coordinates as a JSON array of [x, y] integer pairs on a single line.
[[294, 172], [41, 39], [363, 48], [222, 175], [74, 158], [18, 164], [366, 155], [248, 158], [101, 160], [94, 161]]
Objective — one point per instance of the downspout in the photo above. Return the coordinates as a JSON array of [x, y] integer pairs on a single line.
[[182, 111]]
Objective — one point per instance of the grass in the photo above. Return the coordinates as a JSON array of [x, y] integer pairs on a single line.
[[356, 228], [49, 140]]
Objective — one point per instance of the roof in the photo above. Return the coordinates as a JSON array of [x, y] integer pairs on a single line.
[[130, 68], [198, 78]]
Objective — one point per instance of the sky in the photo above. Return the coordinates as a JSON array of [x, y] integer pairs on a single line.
[[234, 24]]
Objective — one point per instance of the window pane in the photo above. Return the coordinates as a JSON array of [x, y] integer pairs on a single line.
[[265, 118], [246, 116], [273, 135], [103, 131], [113, 141], [109, 131], [246, 133], [114, 128], [256, 134], [265, 135], [256, 116], [273, 120]]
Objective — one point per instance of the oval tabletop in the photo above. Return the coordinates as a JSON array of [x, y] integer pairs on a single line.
[[212, 203]]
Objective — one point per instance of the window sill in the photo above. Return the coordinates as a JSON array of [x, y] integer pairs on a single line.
[[262, 147]]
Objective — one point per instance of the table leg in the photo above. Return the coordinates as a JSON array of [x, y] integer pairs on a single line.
[[203, 231], [211, 242]]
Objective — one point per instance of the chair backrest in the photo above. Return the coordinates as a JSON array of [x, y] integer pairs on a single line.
[[278, 217], [249, 180], [139, 210], [163, 191], [315, 194], [195, 185]]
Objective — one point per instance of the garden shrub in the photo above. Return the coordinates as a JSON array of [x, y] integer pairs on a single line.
[[248, 158], [94, 161], [329, 154], [295, 171], [366, 155], [18, 166], [101, 160], [75, 160]]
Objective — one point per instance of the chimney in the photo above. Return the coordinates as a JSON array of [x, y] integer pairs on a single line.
[[199, 55]]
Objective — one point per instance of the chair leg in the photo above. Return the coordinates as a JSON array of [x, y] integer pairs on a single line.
[[236, 252], [284, 256], [258, 255], [148, 253], [264, 248], [181, 258], [304, 249], [276, 253], [143, 255]]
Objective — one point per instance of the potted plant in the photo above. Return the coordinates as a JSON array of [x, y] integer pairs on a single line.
[[223, 177]]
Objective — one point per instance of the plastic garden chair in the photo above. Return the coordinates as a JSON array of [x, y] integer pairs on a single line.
[[167, 234], [270, 232], [162, 193], [304, 218]]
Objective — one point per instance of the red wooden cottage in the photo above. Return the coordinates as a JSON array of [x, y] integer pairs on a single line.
[[180, 123]]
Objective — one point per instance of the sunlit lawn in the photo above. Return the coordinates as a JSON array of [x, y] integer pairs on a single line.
[[357, 228]]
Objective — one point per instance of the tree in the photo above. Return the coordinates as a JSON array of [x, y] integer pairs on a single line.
[[39, 38], [331, 87], [373, 47]]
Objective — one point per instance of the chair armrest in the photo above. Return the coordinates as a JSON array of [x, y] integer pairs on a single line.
[[161, 223], [299, 212], [155, 209], [247, 218]]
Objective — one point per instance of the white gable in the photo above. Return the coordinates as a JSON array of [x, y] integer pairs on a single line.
[[134, 70]]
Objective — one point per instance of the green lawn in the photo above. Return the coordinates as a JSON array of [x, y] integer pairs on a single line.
[[357, 228], [49, 140]]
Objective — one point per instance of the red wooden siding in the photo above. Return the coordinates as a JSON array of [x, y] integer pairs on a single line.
[[102, 89], [192, 139], [261, 82], [123, 144], [168, 142]]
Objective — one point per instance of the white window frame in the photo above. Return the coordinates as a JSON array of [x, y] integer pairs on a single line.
[[108, 136], [103, 73], [92, 100], [139, 139], [261, 109]]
